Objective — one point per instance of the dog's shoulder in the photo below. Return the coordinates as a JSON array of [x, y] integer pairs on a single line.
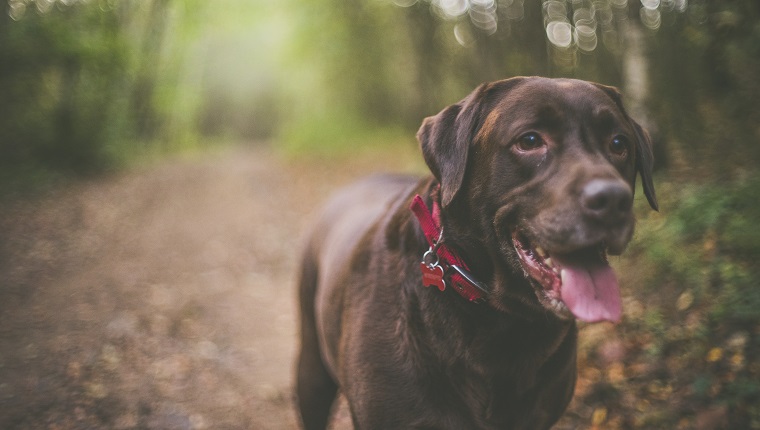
[[349, 217], [356, 207]]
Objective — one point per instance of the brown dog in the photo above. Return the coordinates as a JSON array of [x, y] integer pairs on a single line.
[[533, 186]]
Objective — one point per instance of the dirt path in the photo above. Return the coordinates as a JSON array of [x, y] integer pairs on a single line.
[[161, 298]]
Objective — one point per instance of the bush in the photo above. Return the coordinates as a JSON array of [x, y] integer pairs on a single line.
[[696, 276]]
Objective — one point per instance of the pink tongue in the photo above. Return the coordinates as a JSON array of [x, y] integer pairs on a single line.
[[590, 291]]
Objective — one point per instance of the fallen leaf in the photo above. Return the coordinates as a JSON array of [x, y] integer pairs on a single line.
[[714, 355], [685, 300], [599, 416]]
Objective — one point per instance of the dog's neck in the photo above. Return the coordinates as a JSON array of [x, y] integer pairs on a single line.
[[467, 341]]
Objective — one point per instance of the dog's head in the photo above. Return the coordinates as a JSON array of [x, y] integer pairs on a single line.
[[542, 171]]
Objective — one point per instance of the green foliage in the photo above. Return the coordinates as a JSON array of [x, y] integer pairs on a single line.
[[709, 243], [91, 83], [706, 62], [86, 86], [56, 86], [339, 134], [697, 271]]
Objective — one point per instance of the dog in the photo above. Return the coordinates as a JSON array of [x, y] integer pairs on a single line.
[[450, 302]]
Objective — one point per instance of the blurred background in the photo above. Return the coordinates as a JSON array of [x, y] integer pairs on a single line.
[[102, 100]]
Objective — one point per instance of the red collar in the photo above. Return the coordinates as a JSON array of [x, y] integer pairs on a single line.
[[441, 263]]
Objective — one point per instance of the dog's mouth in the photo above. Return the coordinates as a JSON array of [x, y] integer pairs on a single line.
[[580, 282]]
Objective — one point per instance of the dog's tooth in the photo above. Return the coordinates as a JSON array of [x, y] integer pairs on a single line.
[[540, 251], [549, 263]]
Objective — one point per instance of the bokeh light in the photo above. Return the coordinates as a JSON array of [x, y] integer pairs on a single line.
[[560, 33], [571, 26], [17, 9], [651, 18]]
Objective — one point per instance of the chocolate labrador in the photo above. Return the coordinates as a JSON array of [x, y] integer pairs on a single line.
[[451, 302]]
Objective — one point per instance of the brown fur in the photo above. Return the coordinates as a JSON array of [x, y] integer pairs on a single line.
[[406, 356]]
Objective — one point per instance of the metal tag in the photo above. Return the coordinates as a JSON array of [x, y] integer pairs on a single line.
[[432, 276]]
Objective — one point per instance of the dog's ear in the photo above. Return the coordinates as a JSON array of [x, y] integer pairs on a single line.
[[645, 162], [446, 138], [445, 149], [644, 156]]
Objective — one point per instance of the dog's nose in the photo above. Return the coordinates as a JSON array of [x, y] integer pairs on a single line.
[[606, 200]]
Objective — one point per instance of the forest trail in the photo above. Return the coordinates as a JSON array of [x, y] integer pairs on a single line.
[[160, 298]]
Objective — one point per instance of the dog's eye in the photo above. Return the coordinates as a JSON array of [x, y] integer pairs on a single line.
[[619, 145], [529, 142]]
